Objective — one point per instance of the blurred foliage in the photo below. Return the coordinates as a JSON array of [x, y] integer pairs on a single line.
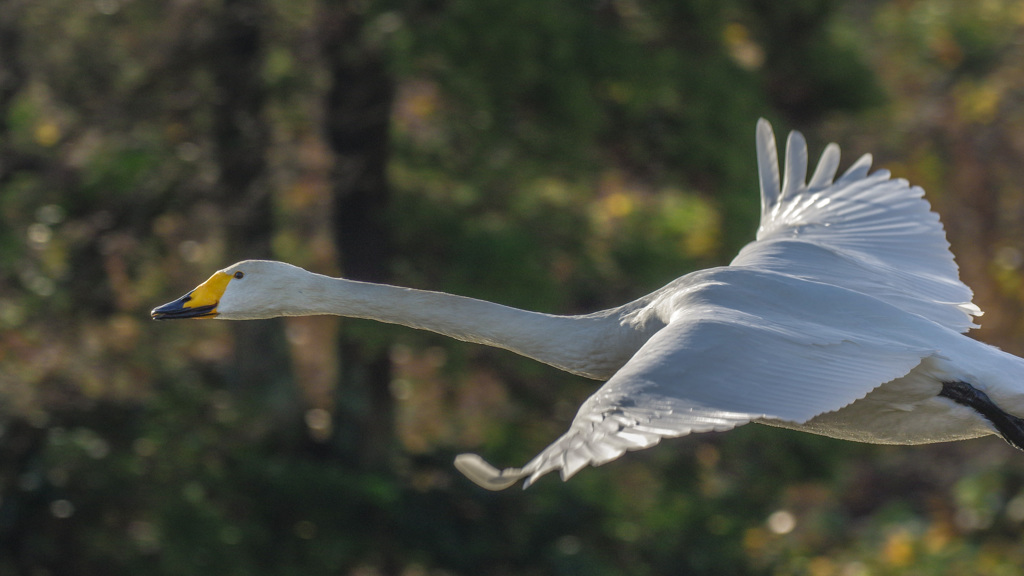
[[559, 156]]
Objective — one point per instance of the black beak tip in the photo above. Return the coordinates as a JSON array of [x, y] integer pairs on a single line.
[[167, 311], [176, 310]]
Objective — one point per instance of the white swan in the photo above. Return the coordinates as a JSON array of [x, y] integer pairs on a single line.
[[844, 318]]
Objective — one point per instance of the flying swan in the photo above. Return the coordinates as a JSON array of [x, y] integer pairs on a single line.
[[845, 317]]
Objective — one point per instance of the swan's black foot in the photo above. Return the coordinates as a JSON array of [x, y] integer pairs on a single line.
[[1010, 427]]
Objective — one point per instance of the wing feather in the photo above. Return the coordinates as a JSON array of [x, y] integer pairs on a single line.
[[827, 167], [789, 330], [796, 165], [736, 351], [866, 232], [767, 166]]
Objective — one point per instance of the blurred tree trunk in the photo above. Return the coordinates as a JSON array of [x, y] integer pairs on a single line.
[[357, 117], [358, 107], [22, 442], [13, 76], [12, 72], [242, 137]]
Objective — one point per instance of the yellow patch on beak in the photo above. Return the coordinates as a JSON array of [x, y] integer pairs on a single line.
[[199, 303], [208, 293]]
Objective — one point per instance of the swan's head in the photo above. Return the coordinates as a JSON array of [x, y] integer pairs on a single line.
[[244, 291]]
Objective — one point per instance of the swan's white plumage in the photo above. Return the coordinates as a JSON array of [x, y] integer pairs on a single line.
[[839, 294], [736, 351], [843, 318]]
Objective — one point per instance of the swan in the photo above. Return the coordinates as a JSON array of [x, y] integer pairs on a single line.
[[845, 317]]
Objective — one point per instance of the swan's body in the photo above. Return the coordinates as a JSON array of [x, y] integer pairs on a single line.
[[844, 318]]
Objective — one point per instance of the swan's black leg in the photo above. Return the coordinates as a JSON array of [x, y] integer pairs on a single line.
[[1010, 427]]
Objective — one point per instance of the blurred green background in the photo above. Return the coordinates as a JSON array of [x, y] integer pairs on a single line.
[[562, 156]]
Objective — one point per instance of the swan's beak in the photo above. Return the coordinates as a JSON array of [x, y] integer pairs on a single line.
[[199, 303]]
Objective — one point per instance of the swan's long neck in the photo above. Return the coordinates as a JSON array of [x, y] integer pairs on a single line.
[[594, 345]]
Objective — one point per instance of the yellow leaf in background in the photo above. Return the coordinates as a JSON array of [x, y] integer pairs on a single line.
[[747, 53], [696, 222], [977, 102], [417, 103], [618, 205], [938, 536], [618, 198], [899, 548], [755, 541], [821, 566], [47, 134]]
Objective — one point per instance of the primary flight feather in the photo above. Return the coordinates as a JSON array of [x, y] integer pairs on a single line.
[[845, 317]]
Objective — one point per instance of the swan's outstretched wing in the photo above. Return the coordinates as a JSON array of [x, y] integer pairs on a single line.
[[866, 232], [742, 345]]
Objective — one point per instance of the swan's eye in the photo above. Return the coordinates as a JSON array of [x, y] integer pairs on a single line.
[[239, 275]]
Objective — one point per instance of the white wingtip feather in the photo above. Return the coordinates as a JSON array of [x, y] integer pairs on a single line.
[[767, 166], [827, 167], [795, 175], [484, 475], [859, 169]]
